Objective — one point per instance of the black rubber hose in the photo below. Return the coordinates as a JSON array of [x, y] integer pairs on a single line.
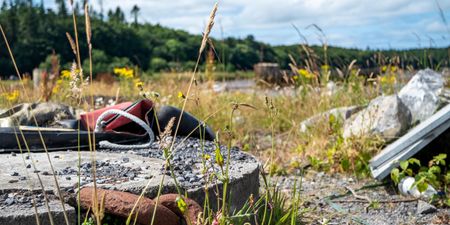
[[188, 123]]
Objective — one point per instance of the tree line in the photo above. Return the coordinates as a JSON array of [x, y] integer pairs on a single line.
[[35, 32]]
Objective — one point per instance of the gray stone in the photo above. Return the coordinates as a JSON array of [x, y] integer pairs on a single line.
[[385, 116], [421, 94], [425, 208], [341, 113]]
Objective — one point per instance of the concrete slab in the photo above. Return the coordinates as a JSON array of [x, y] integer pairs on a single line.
[[131, 171]]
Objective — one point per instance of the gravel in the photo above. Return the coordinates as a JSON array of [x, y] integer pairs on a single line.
[[388, 208], [106, 172], [24, 199], [186, 159]]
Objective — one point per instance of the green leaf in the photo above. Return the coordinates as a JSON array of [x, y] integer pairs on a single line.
[[413, 161], [284, 218], [395, 175], [447, 177], [435, 170], [440, 159], [420, 183], [422, 186], [404, 165], [409, 172]]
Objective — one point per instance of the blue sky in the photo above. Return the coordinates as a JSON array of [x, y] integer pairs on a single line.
[[347, 23]]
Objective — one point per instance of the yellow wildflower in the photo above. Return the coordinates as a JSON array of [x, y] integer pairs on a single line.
[[65, 74], [181, 95], [388, 79], [139, 84], [305, 73], [12, 96], [325, 67], [383, 69], [124, 72], [295, 77]]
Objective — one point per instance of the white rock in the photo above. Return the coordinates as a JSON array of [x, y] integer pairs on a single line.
[[341, 113], [421, 94], [385, 116]]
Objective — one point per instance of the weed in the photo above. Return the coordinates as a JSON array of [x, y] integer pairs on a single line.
[[435, 173]]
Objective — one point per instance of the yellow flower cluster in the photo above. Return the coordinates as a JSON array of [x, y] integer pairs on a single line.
[[66, 74], [391, 68], [305, 73], [124, 72], [11, 96], [389, 79]]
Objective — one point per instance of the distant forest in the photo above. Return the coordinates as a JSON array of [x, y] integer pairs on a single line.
[[35, 32]]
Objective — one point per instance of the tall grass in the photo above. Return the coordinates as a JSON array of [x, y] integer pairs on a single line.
[[262, 121]]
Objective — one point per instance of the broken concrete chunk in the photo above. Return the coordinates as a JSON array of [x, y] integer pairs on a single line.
[[421, 94], [385, 116], [425, 208]]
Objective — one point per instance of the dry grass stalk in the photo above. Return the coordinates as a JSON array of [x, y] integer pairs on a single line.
[[166, 133], [72, 43], [88, 25], [208, 28]]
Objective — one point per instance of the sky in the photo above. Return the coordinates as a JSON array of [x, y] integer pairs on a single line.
[[377, 24]]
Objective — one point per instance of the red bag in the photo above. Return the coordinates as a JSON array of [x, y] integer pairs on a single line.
[[140, 109]]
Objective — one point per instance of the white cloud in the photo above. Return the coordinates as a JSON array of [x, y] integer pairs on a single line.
[[346, 22]]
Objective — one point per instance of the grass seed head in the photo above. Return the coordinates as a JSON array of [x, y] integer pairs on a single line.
[[208, 28], [88, 24]]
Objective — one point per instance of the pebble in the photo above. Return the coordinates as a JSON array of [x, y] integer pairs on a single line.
[[13, 181], [28, 166], [9, 201], [14, 174], [13, 154], [22, 178], [100, 181]]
